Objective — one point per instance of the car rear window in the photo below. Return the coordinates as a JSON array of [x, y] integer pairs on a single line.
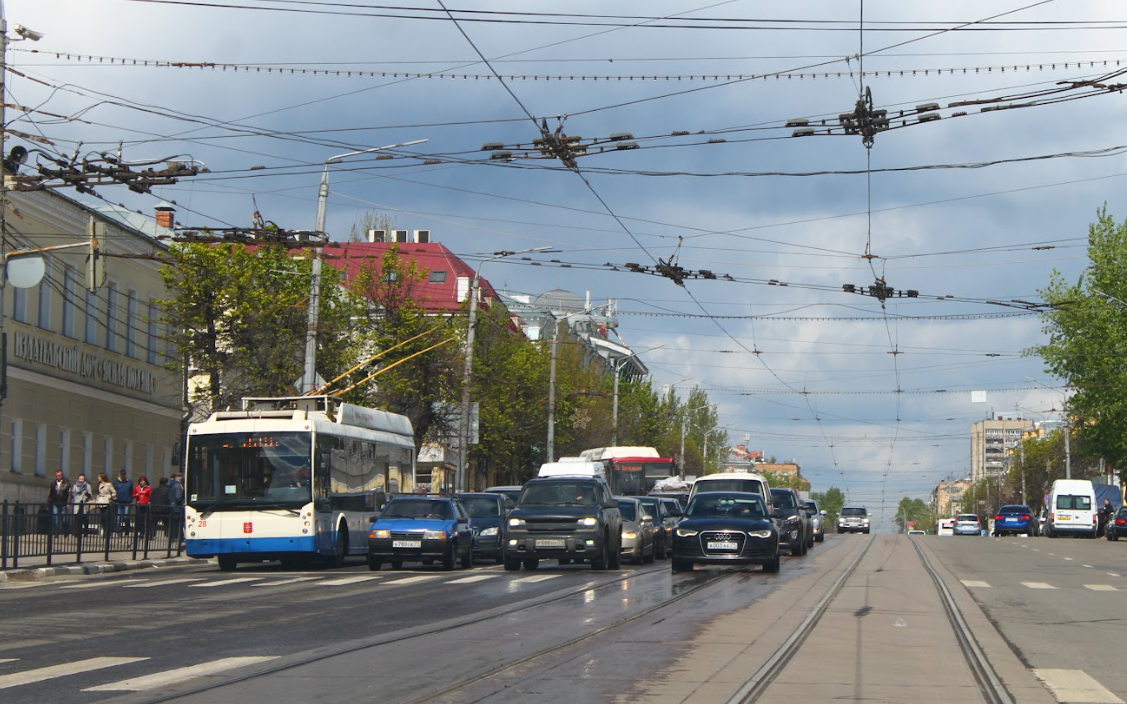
[[967, 518], [1014, 509], [1074, 503]]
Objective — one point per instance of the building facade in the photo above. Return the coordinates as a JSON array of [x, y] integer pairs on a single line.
[[992, 442], [88, 387]]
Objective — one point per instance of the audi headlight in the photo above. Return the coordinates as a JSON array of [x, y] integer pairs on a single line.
[[516, 522], [380, 534], [685, 532], [589, 522], [488, 532], [434, 535], [760, 533]]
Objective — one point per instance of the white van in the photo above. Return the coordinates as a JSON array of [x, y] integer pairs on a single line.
[[573, 467], [751, 482], [1072, 509]]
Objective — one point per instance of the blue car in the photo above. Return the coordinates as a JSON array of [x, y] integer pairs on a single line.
[[487, 512], [1015, 519], [421, 529]]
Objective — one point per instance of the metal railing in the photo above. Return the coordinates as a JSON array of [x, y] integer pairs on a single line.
[[70, 534]]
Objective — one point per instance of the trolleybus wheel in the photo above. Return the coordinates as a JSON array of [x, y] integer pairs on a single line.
[[227, 563]]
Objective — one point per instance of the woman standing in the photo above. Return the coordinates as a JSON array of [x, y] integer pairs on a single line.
[[106, 495], [142, 495], [79, 495]]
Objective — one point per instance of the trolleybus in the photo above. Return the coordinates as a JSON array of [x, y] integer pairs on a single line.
[[291, 479]]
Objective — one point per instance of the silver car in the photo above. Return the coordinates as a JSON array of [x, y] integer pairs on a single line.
[[967, 524], [817, 520]]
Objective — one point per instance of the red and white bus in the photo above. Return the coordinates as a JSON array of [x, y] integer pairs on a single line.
[[632, 471]]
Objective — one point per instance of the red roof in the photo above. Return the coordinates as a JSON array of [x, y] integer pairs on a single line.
[[437, 293]]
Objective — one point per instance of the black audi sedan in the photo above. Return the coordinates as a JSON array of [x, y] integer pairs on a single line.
[[726, 528]]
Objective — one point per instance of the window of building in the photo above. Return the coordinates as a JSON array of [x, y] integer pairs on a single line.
[[87, 453], [70, 300], [131, 324], [91, 336], [153, 341], [438, 277], [41, 450], [107, 456], [46, 299], [112, 315], [64, 451], [17, 445], [19, 304]]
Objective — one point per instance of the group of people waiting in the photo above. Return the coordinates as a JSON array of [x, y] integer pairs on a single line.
[[112, 503]]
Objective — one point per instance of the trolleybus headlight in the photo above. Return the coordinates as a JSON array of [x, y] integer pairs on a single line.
[[434, 535], [685, 533], [488, 532], [516, 522], [380, 534]]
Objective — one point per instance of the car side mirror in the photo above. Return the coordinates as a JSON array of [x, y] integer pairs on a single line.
[[647, 519], [508, 504], [823, 512], [373, 519], [610, 504]]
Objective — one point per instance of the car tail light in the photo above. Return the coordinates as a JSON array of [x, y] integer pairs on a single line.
[[1121, 521], [998, 517], [1026, 518]]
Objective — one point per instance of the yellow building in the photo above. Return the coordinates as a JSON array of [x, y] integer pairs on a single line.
[[88, 389]]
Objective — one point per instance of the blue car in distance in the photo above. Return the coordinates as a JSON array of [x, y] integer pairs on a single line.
[[487, 512], [421, 529], [1015, 519]]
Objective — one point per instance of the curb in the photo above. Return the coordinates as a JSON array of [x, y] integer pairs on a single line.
[[30, 573]]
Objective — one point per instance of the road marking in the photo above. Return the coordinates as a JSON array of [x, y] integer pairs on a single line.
[[1038, 585], [475, 578], [411, 580], [1112, 574], [3, 660], [92, 585], [19, 586], [165, 582], [225, 582], [1101, 587], [972, 583], [1088, 566], [169, 677], [1069, 559], [537, 578], [1050, 554], [345, 581], [1076, 686], [70, 668], [295, 580]]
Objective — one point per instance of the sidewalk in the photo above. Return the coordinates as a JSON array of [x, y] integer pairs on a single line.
[[36, 567]]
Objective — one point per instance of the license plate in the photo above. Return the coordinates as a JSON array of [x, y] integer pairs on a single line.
[[723, 546], [551, 544], [1064, 518], [1011, 520], [406, 544]]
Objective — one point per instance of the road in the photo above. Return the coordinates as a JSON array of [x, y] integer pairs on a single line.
[[569, 634]]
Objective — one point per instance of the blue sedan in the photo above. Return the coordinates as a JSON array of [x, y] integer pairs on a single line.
[[726, 528], [1015, 519], [421, 529]]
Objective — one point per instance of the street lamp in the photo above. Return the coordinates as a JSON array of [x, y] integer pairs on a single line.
[[309, 378], [617, 364], [464, 420], [552, 383]]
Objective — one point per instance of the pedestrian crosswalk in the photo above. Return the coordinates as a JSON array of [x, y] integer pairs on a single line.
[[979, 584], [161, 680]]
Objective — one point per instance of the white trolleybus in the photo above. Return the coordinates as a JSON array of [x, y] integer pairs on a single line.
[[291, 479]]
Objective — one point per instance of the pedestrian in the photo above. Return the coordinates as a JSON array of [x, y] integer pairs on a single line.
[[142, 496], [80, 494], [124, 488], [58, 498], [105, 499], [175, 506], [1106, 512], [158, 506]]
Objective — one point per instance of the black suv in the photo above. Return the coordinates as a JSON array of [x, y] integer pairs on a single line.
[[791, 519], [565, 518]]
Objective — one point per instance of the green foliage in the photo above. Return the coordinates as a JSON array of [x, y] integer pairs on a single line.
[[917, 512], [239, 316], [831, 500], [786, 481], [1087, 329]]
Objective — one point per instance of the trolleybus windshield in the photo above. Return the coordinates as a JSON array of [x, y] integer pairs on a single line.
[[237, 470]]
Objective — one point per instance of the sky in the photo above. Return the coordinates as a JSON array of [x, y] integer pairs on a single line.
[[973, 210]]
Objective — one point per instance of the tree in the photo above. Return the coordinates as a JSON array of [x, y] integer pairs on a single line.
[[371, 220], [1087, 328], [238, 317], [830, 501], [916, 513]]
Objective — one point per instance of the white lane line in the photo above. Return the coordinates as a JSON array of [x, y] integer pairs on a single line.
[[3, 660], [18, 586], [1038, 585], [1050, 554], [70, 668], [1076, 686], [92, 585], [169, 677], [1101, 587], [970, 583], [295, 580], [165, 582], [1112, 574], [411, 580], [1088, 566], [225, 582], [344, 581], [1069, 559], [537, 578], [475, 578]]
